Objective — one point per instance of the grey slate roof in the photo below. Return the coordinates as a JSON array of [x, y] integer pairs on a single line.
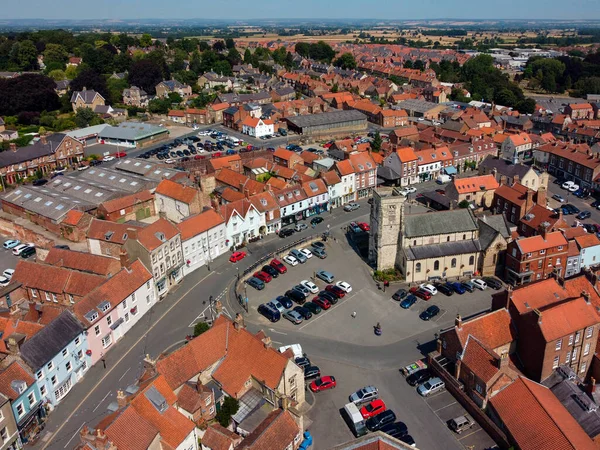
[[387, 173], [243, 98], [499, 223], [50, 340], [504, 167], [441, 222], [326, 118], [131, 131], [87, 96], [62, 84], [33, 151], [443, 249], [172, 84]]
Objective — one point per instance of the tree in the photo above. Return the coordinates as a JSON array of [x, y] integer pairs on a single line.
[[91, 80], [219, 46], [115, 88], [234, 56], [419, 65], [71, 72], [145, 74], [24, 55], [229, 408], [84, 117], [247, 57], [57, 75], [526, 106], [55, 53], [377, 141], [28, 92], [159, 105], [200, 328], [464, 204], [229, 43], [408, 64], [146, 40], [345, 61]]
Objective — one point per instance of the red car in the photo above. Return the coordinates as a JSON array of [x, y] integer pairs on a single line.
[[338, 292], [120, 155], [327, 145], [421, 293], [237, 256], [323, 303], [364, 226], [373, 408], [278, 266], [322, 384], [263, 276]]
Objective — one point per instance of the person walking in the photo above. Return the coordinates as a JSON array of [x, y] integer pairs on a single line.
[[353, 314]]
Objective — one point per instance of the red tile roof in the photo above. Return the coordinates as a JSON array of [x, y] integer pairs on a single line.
[[284, 154], [537, 420], [563, 319], [520, 139], [406, 154], [588, 240], [475, 184], [537, 243], [493, 329], [331, 178], [482, 362], [127, 201], [14, 372], [224, 161], [516, 194], [218, 437], [276, 432], [199, 223], [25, 327], [120, 431], [179, 192], [73, 217], [82, 261], [231, 195], [149, 236], [344, 167], [314, 187], [116, 232]]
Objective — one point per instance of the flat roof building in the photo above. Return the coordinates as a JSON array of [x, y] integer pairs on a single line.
[[131, 134], [328, 123]]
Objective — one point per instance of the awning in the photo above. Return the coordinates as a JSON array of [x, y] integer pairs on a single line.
[[450, 170], [520, 275]]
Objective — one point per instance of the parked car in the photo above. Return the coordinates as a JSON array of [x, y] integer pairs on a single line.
[[237, 256], [40, 182], [335, 290], [399, 295], [373, 408], [364, 395], [387, 417], [395, 430], [321, 302], [300, 226], [270, 270], [302, 289], [479, 284], [316, 220], [325, 276], [312, 307], [364, 226], [290, 260], [468, 286], [331, 298], [429, 313], [11, 243], [492, 282], [293, 317], [461, 423], [302, 362], [278, 266], [4, 281], [296, 296], [256, 283], [20, 248], [421, 293], [272, 314], [285, 301], [306, 252], [305, 313], [263, 276], [318, 245], [286, 232], [429, 288], [583, 215], [311, 372], [276, 304], [344, 286], [431, 386], [8, 273], [408, 301], [323, 384], [559, 198], [319, 253], [419, 377], [444, 289], [457, 287], [352, 206], [299, 256], [312, 287]]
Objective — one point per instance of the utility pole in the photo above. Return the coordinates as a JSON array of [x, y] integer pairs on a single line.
[[210, 307]]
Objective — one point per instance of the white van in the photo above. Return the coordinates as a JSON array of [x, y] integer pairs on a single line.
[[296, 349], [352, 416], [441, 179], [233, 140]]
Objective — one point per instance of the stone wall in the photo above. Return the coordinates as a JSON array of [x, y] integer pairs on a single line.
[[13, 230]]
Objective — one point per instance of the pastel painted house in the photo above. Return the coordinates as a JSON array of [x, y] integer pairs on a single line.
[[58, 357], [18, 384], [110, 310]]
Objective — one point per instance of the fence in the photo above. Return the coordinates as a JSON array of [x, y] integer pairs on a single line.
[[456, 389]]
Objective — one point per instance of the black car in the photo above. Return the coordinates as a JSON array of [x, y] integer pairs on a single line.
[[418, 377], [28, 252], [96, 162], [399, 294], [429, 313], [286, 232], [40, 182], [311, 372], [64, 247], [328, 296], [572, 209], [305, 313], [445, 289], [380, 420], [395, 430], [285, 301], [493, 282], [595, 203], [269, 313], [467, 287], [316, 220], [407, 439], [313, 307], [296, 296], [270, 270], [302, 362], [584, 215]]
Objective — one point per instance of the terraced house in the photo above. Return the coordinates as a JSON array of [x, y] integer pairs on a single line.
[[575, 162]]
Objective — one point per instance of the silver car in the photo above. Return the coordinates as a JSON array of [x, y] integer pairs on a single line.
[[325, 276], [293, 316], [301, 257], [364, 395], [351, 206]]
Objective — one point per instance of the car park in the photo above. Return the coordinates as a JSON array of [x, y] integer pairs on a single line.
[[313, 307], [364, 395], [421, 293], [429, 313], [272, 314], [429, 288], [305, 313], [296, 296], [479, 284], [278, 266], [255, 283], [419, 377], [445, 289], [8, 273], [323, 384], [494, 283], [375, 423], [399, 295], [312, 287], [408, 301], [325, 276], [352, 206], [431, 386], [237, 256], [293, 317], [300, 226], [316, 220], [311, 372], [335, 290], [263, 276], [11, 243], [298, 255], [306, 252], [286, 232], [373, 408], [270, 270], [290, 260]]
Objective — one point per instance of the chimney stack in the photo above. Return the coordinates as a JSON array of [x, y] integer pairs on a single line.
[[591, 387], [121, 398], [132, 233], [586, 296], [541, 196], [458, 321], [503, 360], [13, 147], [44, 140], [266, 342], [124, 258], [516, 179], [239, 322], [502, 180], [528, 199]]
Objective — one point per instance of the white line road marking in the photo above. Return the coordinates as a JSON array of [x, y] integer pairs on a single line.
[[124, 373], [142, 337], [101, 401], [203, 316], [72, 437], [277, 332], [470, 434], [450, 404], [343, 302]]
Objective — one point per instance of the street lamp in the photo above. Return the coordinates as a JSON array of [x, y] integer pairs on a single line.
[[210, 307]]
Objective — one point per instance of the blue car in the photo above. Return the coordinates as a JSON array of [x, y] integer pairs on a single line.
[[285, 301], [458, 287], [256, 283], [408, 301]]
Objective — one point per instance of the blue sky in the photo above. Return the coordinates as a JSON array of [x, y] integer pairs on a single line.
[[257, 9]]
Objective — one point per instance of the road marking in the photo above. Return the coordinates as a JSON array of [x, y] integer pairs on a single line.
[[135, 344], [203, 316], [470, 434], [124, 373], [325, 312], [277, 332], [450, 404], [72, 437], [107, 394]]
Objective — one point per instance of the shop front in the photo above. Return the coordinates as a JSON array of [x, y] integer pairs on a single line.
[[31, 424], [292, 218], [313, 210]]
